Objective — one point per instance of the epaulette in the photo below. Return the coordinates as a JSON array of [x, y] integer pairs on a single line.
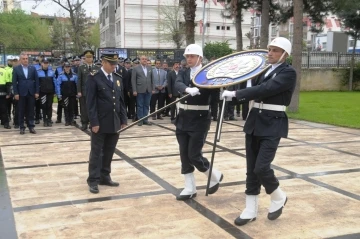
[[61, 73], [117, 74], [93, 72]]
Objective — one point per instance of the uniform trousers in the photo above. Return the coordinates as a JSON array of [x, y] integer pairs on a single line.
[[83, 111], [46, 100], [260, 152], [190, 145], [69, 103], [3, 110], [26, 109], [9, 104], [101, 154], [16, 112], [59, 110]]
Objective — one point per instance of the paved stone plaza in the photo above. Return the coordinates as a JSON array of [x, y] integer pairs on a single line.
[[318, 167]]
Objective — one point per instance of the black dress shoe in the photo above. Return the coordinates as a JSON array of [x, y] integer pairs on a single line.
[[214, 188], [274, 215], [73, 123], [67, 124], [109, 183], [7, 126], [185, 197], [32, 131], [37, 121], [239, 221], [84, 127], [22, 131], [16, 126], [94, 189], [58, 121]]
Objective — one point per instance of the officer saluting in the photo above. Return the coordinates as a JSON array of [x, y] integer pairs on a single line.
[[107, 115], [192, 125], [266, 124]]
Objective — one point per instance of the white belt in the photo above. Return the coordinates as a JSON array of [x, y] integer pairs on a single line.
[[193, 107], [263, 106]]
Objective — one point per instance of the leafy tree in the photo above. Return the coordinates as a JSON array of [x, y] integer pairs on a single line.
[[19, 30], [59, 30], [94, 38], [217, 49], [233, 9], [296, 52], [169, 27], [349, 12]]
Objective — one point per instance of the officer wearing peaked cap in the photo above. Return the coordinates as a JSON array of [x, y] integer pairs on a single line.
[[107, 115], [83, 73], [192, 125], [266, 124]]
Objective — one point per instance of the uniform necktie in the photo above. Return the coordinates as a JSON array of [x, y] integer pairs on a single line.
[[109, 78]]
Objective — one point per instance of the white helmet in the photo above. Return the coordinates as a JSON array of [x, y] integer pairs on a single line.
[[10, 57], [194, 50], [282, 43]]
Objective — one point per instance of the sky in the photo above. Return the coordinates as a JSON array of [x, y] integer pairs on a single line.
[[49, 8]]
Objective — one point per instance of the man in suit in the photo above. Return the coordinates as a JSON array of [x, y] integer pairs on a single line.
[[83, 73], [26, 89], [173, 94], [107, 114], [159, 78], [266, 124], [192, 126], [143, 86]]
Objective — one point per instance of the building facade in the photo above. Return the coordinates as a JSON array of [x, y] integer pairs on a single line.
[[9, 5], [133, 23]]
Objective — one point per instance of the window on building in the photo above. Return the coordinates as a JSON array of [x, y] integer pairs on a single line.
[[256, 32], [181, 2], [222, 27], [291, 29], [273, 31], [118, 28], [207, 24], [107, 12], [228, 28], [118, 3], [217, 27]]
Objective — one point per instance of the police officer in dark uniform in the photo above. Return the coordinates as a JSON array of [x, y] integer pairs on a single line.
[[128, 88], [107, 115], [47, 83], [58, 71], [132, 104], [83, 73], [266, 124], [192, 125], [66, 91]]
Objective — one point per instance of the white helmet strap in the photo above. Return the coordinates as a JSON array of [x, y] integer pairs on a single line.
[[280, 59]]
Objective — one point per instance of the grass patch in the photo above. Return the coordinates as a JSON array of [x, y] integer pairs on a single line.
[[335, 108]]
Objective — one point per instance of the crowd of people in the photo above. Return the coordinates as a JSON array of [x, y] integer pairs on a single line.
[[29, 86]]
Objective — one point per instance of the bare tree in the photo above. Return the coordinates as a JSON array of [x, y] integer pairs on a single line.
[[189, 15], [169, 27], [297, 49]]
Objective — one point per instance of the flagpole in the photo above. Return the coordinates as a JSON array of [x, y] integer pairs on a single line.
[[204, 26]]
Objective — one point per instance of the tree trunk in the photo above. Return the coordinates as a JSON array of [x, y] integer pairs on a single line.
[[239, 35], [297, 50], [265, 21], [189, 15], [352, 65]]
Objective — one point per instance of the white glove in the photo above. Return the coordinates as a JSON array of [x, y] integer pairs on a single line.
[[192, 91], [228, 94]]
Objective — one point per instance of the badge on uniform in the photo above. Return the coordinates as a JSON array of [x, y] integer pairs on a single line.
[[118, 83]]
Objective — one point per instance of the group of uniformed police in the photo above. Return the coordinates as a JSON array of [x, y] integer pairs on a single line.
[[105, 95]]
